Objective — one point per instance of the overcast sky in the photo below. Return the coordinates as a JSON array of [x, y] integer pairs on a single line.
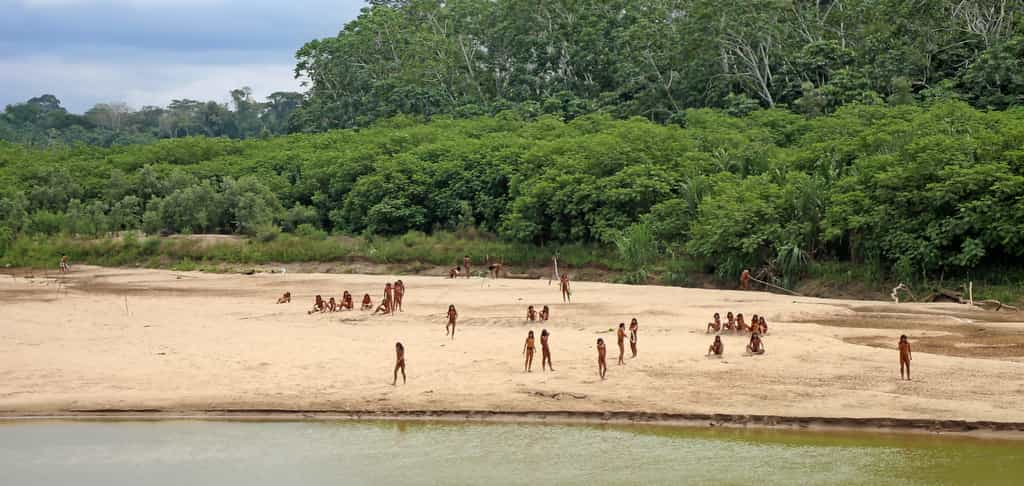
[[148, 52]]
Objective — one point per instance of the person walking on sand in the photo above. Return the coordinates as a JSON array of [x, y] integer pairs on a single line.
[[633, 328], [904, 347], [545, 351], [399, 363], [528, 349], [465, 264], [452, 316], [620, 334], [564, 284], [602, 365]]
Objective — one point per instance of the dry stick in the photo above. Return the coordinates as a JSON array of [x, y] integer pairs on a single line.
[[775, 286]]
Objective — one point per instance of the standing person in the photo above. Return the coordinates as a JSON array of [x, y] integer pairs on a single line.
[[564, 284], [633, 328], [904, 346], [620, 334], [387, 304], [465, 265], [602, 366], [745, 279], [528, 349], [545, 351], [399, 363], [531, 314], [65, 267], [452, 316], [399, 292]]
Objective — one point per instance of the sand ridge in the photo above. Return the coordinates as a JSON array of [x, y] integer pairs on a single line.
[[131, 339]]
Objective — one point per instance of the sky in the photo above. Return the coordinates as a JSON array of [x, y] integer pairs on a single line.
[[148, 52]]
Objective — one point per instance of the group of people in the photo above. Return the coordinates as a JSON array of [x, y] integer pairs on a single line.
[[494, 269], [620, 335], [532, 315], [390, 303], [737, 324]]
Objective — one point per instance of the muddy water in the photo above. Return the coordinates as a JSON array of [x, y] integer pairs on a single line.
[[316, 452]]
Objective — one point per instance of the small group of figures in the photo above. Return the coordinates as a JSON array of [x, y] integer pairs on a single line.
[[758, 327], [494, 269], [620, 335], [532, 315], [390, 303]]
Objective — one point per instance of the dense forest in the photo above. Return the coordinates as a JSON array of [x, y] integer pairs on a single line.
[[42, 121], [765, 133]]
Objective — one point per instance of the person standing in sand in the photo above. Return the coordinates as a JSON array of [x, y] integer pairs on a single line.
[[564, 284], [531, 314], [745, 279], [64, 266], [452, 316], [602, 365], [717, 348], [399, 363], [545, 351], [633, 328], [620, 335], [285, 299], [399, 292], [904, 347], [367, 302], [528, 349], [465, 265], [387, 303]]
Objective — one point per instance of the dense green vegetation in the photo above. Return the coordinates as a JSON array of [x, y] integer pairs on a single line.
[[907, 191], [42, 121], [658, 58]]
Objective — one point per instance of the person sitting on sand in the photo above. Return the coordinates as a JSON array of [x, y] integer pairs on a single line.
[[741, 324], [453, 315], [64, 266], [385, 306], [454, 272], [633, 328], [715, 325], [620, 335], [756, 345], [762, 326], [494, 269], [545, 351], [904, 347], [755, 324], [332, 305], [545, 313], [346, 301], [285, 299], [730, 322], [717, 348], [531, 314], [602, 366], [318, 305], [399, 292], [528, 349], [564, 285], [399, 363], [367, 303]]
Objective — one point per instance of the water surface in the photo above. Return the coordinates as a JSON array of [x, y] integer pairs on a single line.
[[193, 453]]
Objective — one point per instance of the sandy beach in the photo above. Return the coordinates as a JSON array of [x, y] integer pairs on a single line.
[[180, 342]]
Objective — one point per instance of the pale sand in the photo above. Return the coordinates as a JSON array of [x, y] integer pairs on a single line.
[[143, 339]]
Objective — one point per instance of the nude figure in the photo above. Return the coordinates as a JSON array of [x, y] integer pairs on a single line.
[[285, 299], [528, 349], [531, 314], [387, 302], [634, 327], [620, 335], [564, 285], [756, 345], [465, 264], [745, 280], [453, 315], [346, 301], [545, 313], [545, 351], [717, 348], [715, 325], [367, 303], [318, 305], [602, 366], [399, 293], [399, 363], [904, 347], [332, 305], [730, 322]]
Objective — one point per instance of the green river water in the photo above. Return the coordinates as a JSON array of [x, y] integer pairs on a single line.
[[152, 453]]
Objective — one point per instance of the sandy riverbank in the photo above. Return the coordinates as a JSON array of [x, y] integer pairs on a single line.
[[125, 339]]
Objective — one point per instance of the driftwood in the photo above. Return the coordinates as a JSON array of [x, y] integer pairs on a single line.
[[946, 295]]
